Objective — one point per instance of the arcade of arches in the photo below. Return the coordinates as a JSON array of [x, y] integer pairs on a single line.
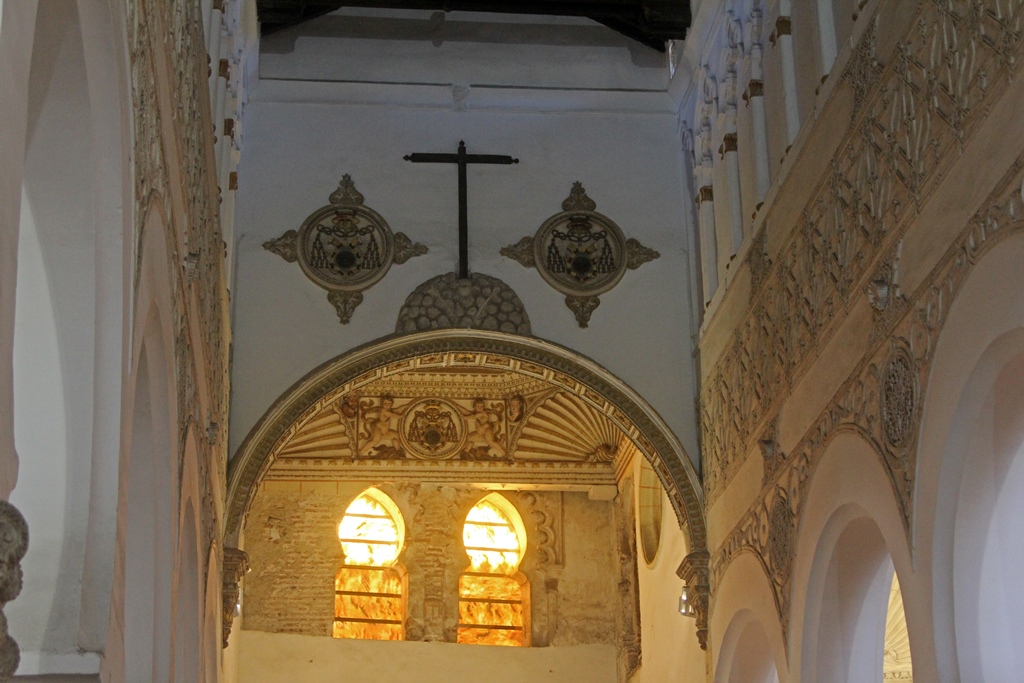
[[703, 364]]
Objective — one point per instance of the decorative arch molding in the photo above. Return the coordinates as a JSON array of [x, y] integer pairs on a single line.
[[556, 364]]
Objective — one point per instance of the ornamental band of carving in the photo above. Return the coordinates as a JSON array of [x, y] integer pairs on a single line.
[[881, 401]]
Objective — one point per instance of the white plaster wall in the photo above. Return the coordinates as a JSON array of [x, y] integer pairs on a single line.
[[668, 640], [461, 48], [283, 658], [302, 139]]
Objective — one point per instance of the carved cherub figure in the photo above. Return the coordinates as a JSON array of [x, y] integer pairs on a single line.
[[484, 428], [379, 421]]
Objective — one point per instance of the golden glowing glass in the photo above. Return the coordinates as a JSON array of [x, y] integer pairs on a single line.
[[491, 609], [368, 600]]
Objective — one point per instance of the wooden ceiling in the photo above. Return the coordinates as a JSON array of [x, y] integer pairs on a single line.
[[651, 22]]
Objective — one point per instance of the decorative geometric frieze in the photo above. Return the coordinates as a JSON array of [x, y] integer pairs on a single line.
[[345, 248], [580, 252], [480, 302]]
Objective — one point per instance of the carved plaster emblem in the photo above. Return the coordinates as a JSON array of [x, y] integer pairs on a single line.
[[345, 247], [899, 397], [433, 429], [581, 253]]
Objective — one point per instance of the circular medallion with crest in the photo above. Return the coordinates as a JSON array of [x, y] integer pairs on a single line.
[[433, 429], [345, 247], [579, 251]]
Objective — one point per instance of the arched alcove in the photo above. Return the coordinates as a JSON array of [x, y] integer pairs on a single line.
[[844, 630], [746, 653], [745, 629], [968, 477], [148, 556], [569, 373], [148, 476], [850, 537], [65, 306], [988, 600], [187, 618]]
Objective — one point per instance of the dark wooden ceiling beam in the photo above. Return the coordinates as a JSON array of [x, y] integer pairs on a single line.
[[651, 22]]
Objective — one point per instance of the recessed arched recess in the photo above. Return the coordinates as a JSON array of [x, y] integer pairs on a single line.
[[602, 399]]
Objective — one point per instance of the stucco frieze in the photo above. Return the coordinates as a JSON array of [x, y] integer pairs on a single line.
[[912, 117], [881, 401]]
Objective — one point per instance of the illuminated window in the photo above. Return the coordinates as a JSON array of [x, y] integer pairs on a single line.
[[493, 609], [369, 589]]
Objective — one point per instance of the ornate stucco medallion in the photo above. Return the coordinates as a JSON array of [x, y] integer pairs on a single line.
[[580, 252], [433, 429], [345, 247], [899, 397]]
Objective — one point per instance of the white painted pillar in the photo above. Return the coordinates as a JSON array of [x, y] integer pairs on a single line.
[[730, 154], [213, 49], [759, 123], [826, 36], [783, 35], [708, 241]]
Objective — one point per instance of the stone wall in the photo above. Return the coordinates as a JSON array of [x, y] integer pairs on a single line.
[[571, 561]]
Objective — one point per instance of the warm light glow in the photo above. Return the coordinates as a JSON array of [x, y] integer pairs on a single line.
[[491, 609], [368, 604], [491, 541], [368, 599], [369, 534]]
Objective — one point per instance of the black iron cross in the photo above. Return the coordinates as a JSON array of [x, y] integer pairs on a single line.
[[462, 159]]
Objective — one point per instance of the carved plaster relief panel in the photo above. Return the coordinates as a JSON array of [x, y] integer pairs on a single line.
[[345, 247], [581, 253], [881, 401], [165, 130], [462, 414], [916, 114]]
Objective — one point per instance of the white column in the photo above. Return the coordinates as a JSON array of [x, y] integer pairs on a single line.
[[732, 166], [827, 36], [783, 35], [754, 97], [708, 241], [759, 124]]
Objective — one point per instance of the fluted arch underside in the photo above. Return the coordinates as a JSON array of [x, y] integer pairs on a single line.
[[596, 391]]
